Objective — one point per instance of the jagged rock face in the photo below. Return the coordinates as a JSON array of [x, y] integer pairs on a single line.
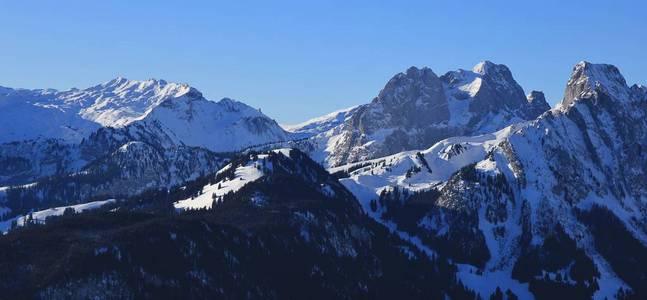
[[639, 92], [497, 90], [410, 100], [585, 155], [586, 78], [417, 108], [537, 102], [534, 187]]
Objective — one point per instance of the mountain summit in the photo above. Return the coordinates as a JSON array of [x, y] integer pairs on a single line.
[[417, 108], [73, 114], [588, 78]]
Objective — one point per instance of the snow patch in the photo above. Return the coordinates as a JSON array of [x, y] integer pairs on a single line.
[[244, 174], [42, 215]]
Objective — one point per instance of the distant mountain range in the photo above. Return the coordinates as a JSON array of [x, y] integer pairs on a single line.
[[177, 111], [446, 186]]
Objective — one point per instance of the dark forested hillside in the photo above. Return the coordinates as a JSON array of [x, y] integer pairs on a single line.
[[298, 243]]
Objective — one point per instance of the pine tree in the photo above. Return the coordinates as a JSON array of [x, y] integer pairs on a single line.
[[497, 295], [373, 205], [510, 295]]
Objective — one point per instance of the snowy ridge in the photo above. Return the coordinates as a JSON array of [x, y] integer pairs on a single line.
[[223, 126], [321, 124], [120, 101], [74, 114], [418, 170], [214, 192], [257, 166], [42, 215]]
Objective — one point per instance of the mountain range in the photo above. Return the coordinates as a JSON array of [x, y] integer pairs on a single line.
[[416, 109], [455, 186]]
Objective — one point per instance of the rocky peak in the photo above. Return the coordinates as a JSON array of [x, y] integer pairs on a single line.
[[588, 78], [537, 103], [233, 105], [120, 101], [536, 97], [496, 72], [417, 108], [488, 67], [154, 87], [492, 88], [114, 82], [413, 85], [639, 92]]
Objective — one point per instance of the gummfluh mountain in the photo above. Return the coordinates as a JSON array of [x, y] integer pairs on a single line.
[[417, 108]]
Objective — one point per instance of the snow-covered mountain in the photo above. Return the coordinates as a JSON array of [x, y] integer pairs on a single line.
[[416, 109], [47, 132], [224, 126], [22, 119], [239, 175], [117, 138], [552, 205], [179, 110], [73, 114]]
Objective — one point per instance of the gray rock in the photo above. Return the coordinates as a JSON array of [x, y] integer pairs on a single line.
[[416, 109]]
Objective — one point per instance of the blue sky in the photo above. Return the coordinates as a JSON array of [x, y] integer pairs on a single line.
[[296, 60]]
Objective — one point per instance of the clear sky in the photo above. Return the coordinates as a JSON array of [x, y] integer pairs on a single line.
[[300, 59]]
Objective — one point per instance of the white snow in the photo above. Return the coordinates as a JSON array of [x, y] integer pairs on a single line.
[[605, 76], [223, 126], [178, 110], [74, 114], [42, 215], [485, 283], [244, 175], [444, 159], [321, 124], [284, 151]]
